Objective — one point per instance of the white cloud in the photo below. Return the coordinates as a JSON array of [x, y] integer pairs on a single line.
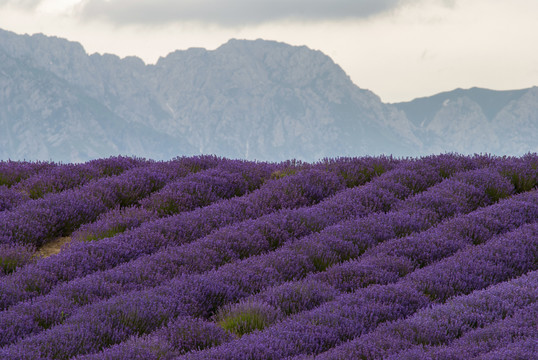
[[59, 7], [28, 4]]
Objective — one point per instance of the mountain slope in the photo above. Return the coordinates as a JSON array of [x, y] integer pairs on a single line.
[[476, 120], [517, 124], [257, 99], [422, 110], [249, 99], [268, 99]]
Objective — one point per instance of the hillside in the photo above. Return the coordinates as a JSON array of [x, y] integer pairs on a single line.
[[257, 100], [247, 99], [210, 258], [477, 120]]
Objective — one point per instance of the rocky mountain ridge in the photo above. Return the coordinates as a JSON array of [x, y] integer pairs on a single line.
[[477, 120], [257, 99]]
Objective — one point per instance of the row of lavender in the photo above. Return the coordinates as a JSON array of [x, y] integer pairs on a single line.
[[57, 214], [35, 222], [82, 258], [12, 172], [22, 181], [249, 247], [266, 231], [410, 184], [303, 188], [155, 349], [377, 266]]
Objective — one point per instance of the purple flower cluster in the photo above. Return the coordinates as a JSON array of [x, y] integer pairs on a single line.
[[11, 172], [523, 172], [179, 336], [54, 179], [68, 176], [228, 179], [353, 314], [461, 328], [11, 197], [208, 258], [521, 349], [58, 214], [82, 258], [113, 222], [244, 277], [13, 256]]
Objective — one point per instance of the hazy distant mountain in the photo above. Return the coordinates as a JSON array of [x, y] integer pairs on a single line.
[[247, 99], [476, 120], [55, 105]]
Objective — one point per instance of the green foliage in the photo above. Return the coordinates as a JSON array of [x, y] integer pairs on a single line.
[[168, 207], [106, 233], [523, 174], [243, 323], [46, 322], [4, 180], [9, 180], [195, 168], [37, 192], [8, 265], [12, 257], [244, 318], [496, 194], [34, 286], [321, 263], [521, 182], [279, 174]]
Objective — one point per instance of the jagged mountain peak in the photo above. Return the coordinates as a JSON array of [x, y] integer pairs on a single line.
[[422, 110], [271, 96], [255, 99], [269, 54]]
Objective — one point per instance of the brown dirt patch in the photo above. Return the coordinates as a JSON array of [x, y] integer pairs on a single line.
[[53, 247]]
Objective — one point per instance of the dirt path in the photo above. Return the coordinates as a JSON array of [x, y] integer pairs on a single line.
[[53, 247]]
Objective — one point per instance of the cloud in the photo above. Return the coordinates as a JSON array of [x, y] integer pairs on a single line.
[[231, 12], [26, 4]]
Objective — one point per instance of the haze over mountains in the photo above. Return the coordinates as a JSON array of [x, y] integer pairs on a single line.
[[476, 120], [247, 99]]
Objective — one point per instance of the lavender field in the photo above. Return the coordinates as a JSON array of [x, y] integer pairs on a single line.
[[210, 258]]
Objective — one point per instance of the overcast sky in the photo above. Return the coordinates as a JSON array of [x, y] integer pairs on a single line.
[[399, 49]]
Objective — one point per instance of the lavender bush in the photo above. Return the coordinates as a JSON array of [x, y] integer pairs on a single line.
[[344, 204], [210, 258], [12, 172], [304, 188]]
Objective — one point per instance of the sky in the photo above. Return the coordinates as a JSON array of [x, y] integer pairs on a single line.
[[399, 49]]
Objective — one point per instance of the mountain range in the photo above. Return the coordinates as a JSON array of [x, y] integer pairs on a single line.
[[258, 99]]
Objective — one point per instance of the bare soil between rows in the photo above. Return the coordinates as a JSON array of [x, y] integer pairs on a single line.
[[53, 247]]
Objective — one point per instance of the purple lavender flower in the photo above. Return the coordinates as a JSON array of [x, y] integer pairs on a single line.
[[345, 258]]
